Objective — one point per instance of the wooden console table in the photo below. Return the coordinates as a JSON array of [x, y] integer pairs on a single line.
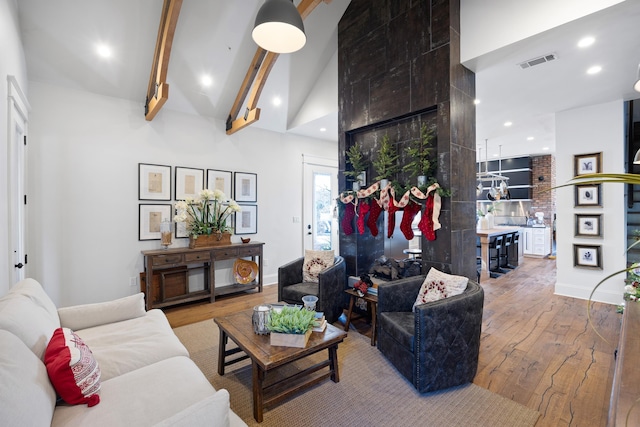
[[167, 270]]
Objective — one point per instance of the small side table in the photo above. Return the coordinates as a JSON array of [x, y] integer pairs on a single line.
[[372, 304], [413, 253]]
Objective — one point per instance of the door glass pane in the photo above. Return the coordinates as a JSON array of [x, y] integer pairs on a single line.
[[322, 211]]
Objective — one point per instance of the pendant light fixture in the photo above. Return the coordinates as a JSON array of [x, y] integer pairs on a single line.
[[636, 86], [278, 27]]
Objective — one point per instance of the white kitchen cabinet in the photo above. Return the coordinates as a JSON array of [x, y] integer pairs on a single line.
[[537, 241]]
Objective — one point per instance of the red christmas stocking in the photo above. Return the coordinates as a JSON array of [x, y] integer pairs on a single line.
[[392, 217], [362, 212], [347, 218], [410, 212], [372, 219], [426, 222]]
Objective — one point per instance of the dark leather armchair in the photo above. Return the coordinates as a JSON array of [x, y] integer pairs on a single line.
[[437, 346], [330, 287]]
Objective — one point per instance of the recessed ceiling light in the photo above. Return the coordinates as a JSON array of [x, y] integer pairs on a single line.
[[206, 80], [103, 50], [276, 101], [323, 129], [545, 148], [530, 138], [507, 124], [594, 70], [586, 41], [476, 101], [495, 155]]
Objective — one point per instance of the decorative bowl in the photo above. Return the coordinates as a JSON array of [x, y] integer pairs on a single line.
[[245, 239]]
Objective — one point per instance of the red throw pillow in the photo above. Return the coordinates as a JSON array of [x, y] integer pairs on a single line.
[[72, 369]]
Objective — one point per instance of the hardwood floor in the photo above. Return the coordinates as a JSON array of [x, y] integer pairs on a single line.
[[537, 348]]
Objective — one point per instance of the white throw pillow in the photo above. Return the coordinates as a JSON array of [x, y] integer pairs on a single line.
[[439, 285], [85, 316], [314, 263]]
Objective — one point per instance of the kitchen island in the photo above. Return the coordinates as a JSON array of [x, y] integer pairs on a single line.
[[485, 238]]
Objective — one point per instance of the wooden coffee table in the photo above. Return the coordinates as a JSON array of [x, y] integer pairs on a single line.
[[265, 358]]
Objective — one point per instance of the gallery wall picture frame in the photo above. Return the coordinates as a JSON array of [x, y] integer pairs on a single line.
[[246, 221], [588, 225], [181, 230], [588, 195], [220, 180], [154, 182], [587, 163], [587, 256], [246, 187], [149, 219], [189, 182]]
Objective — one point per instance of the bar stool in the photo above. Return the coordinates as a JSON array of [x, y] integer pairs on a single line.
[[504, 254], [513, 254], [495, 248]]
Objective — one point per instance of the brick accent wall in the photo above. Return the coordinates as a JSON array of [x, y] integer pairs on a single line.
[[543, 178]]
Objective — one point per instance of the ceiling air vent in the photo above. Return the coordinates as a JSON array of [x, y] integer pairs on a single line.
[[537, 61]]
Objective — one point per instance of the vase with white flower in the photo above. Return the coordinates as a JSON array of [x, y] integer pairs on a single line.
[[206, 218]]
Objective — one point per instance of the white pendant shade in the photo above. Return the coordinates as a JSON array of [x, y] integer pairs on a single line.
[[636, 158], [278, 27], [636, 86]]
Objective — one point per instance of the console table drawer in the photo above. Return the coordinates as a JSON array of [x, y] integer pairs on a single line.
[[226, 253], [250, 251], [167, 259], [197, 256]]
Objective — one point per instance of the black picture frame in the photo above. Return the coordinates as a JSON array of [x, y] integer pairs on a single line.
[[188, 182], [149, 219], [246, 221], [154, 182], [220, 180], [587, 256], [588, 195], [588, 225], [245, 187]]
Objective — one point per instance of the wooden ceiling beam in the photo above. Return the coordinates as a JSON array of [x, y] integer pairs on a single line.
[[158, 89], [256, 78]]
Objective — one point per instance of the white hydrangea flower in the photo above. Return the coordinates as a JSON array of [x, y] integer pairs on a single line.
[[629, 289]]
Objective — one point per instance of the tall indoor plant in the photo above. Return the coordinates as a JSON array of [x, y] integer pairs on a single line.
[[386, 164], [420, 163]]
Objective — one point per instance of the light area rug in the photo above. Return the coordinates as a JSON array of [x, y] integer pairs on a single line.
[[371, 392]]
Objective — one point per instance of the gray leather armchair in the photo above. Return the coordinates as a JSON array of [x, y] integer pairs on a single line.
[[330, 287], [437, 346]]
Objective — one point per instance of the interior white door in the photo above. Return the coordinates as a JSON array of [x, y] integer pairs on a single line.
[[320, 190], [17, 173]]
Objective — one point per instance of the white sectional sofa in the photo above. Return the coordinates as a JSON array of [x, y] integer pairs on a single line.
[[147, 377]]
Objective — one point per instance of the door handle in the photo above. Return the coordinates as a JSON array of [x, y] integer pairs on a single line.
[[19, 265]]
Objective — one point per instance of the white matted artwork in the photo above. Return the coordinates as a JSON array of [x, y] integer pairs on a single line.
[[246, 187], [219, 180], [588, 225], [587, 256], [149, 219], [247, 220], [154, 182], [189, 182], [589, 195]]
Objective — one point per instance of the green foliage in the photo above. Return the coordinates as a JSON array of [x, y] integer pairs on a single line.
[[356, 160], [291, 320], [387, 162], [419, 154]]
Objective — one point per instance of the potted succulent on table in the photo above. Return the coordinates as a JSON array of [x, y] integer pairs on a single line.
[[386, 164], [291, 326]]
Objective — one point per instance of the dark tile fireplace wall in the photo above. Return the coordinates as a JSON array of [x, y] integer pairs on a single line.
[[399, 67]]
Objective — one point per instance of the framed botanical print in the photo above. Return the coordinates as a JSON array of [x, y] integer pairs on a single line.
[[588, 225], [154, 182], [149, 219], [589, 195], [189, 182], [219, 180], [587, 256], [246, 187], [247, 220], [587, 163]]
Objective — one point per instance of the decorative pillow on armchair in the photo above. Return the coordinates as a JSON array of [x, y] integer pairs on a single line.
[[314, 263], [439, 285], [72, 369]]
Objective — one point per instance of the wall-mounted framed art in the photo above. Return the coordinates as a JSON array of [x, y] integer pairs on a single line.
[[154, 182], [149, 219], [587, 163], [588, 225], [246, 187], [181, 230], [189, 182], [587, 256], [588, 195], [220, 180], [247, 220]]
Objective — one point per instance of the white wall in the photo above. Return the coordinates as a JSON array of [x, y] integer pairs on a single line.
[[12, 62], [85, 151], [491, 24], [598, 128]]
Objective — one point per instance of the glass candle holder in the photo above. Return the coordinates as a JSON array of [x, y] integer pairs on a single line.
[[165, 233], [260, 319]]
